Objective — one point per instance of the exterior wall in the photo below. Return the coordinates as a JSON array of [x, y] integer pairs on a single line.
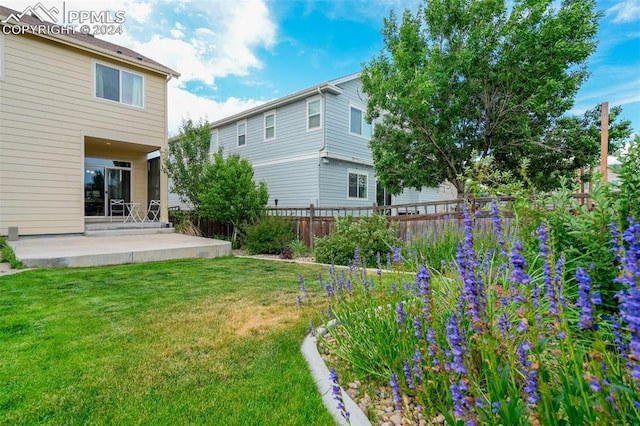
[[47, 111], [293, 183], [292, 138], [334, 191], [339, 139]]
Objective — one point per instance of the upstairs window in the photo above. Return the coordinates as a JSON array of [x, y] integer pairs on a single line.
[[213, 142], [314, 114], [269, 125], [119, 85], [358, 185], [358, 124], [242, 133]]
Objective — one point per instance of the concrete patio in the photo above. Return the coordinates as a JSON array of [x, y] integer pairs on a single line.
[[78, 251]]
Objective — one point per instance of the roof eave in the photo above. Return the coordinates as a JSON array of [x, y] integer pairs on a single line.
[[322, 88], [104, 52]]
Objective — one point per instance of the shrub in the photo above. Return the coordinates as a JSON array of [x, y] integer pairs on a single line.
[[298, 248], [7, 255], [372, 235], [270, 235]]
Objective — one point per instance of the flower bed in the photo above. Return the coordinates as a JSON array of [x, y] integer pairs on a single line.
[[491, 340]]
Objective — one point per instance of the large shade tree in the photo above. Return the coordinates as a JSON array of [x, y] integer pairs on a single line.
[[460, 78]]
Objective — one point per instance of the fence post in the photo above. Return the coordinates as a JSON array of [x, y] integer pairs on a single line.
[[311, 214], [375, 207]]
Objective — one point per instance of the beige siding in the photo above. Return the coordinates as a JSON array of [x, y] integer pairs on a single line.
[[47, 112]]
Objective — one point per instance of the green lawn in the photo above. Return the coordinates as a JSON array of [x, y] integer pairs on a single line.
[[181, 342]]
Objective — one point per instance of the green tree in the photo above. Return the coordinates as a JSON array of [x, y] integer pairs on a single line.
[[459, 77], [187, 159], [231, 195], [571, 142], [628, 203]]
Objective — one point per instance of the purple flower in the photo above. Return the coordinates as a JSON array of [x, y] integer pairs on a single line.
[[547, 272], [337, 394], [396, 255], [531, 375], [401, 315], [457, 345], [417, 324], [417, 365], [406, 369], [432, 347], [617, 334], [458, 401], [595, 386], [584, 301], [422, 284], [395, 389], [504, 325], [299, 302], [303, 289], [629, 296]]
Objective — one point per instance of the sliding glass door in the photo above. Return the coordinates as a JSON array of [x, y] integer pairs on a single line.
[[103, 184]]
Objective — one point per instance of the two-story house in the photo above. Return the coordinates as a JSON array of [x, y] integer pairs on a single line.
[[78, 118], [312, 147]]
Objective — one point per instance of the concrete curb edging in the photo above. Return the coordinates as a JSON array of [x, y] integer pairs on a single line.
[[320, 373]]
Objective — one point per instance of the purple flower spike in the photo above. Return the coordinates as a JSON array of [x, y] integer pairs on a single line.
[[337, 394], [395, 388], [422, 284], [547, 271], [584, 301], [417, 365], [457, 345], [401, 316], [396, 255], [406, 369], [531, 384]]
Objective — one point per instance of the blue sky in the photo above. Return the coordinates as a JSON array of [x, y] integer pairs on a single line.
[[236, 54]]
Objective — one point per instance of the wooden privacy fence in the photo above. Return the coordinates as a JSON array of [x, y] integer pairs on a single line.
[[413, 219]]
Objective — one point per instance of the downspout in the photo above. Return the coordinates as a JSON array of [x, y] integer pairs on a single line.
[[324, 140]]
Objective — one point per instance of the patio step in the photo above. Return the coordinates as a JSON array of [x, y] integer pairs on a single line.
[[127, 231]]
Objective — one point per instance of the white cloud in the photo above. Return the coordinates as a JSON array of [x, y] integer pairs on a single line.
[[625, 11], [183, 104]]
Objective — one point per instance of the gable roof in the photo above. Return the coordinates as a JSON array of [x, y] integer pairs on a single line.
[[330, 86], [85, 42]]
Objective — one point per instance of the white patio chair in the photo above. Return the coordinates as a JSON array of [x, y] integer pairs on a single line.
[[117, 206], [153, 213]]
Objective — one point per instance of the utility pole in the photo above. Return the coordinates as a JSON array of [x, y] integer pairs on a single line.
[[604, 140]]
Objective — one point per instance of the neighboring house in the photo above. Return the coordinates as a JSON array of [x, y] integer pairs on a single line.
[[312, 147], [78, 118]]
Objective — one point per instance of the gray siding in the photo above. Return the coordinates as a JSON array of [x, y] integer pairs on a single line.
[[294, 183], [339, 139], [334, 190], [292, 138]]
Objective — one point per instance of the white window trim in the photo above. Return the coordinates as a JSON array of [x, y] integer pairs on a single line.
[[363, 121], [238, 124], [120, 69], [264, 120], [2, 56], [213, 149], [306, 113], [362, 173]]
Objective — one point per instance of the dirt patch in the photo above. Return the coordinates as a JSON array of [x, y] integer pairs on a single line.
[[252, 318]]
